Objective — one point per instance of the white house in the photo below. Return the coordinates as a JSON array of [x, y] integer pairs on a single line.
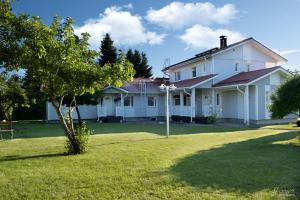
[[232, 81]]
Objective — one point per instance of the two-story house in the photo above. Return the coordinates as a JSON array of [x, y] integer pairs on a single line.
[[233, 82]]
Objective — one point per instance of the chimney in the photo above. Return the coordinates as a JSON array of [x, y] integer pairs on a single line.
[[223, 41]]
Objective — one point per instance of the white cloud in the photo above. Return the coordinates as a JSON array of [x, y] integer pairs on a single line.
[[125, 29], [202, 37], [286, 52], [128, 6], [177, 15]]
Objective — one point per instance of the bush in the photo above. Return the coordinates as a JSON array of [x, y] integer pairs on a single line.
[[212, 119], [82, 139]]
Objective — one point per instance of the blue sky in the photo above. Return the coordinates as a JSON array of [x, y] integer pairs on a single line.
[[179, 29]]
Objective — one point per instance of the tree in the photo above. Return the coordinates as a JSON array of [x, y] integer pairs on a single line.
[[63, 66], [12, 95], [286, 99], [108, 53], [140, 63]]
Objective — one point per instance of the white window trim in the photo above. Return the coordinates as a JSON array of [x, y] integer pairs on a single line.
[[155, 101], [130, 101]]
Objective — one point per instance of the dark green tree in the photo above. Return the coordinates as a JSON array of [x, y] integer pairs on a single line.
[[286, 99], [12, 95], [140, 63], [108, 53]]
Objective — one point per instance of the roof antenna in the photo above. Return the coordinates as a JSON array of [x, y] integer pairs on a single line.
[[165, 65]]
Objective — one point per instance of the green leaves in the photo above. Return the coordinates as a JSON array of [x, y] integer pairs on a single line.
[[286, 100]]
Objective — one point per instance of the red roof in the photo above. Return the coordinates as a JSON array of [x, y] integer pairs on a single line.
[[246, 77], [193, 81]]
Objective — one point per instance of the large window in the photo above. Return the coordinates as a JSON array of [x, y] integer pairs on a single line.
[[187, 100], [176, 100], [194, 72], [151, 101], [128, 101], [177, 76]]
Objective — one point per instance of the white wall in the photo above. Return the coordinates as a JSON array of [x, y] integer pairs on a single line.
[[186, 71], [86, 112]]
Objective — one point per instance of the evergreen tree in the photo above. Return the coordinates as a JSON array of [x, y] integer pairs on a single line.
[[108, 53], [140, 63]]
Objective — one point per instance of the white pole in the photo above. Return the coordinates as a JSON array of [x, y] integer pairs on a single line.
[[167, 112]]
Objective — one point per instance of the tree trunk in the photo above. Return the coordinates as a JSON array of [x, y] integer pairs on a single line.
[[78, 116], [68, 132]]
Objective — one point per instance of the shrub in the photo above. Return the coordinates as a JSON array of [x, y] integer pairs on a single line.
[[82, 139], [211, 119]]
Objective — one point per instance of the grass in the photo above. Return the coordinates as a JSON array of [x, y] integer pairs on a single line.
[[136, 161]]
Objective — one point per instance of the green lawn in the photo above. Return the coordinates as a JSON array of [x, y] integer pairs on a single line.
[[136, 161]]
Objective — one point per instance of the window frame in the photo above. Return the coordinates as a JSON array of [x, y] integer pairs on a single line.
[[176, 97], [154, 101], [194, 72], [187, 100], [130, 101], [218, 99], [177, 76]]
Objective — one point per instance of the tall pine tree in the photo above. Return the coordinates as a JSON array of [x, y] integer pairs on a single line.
[[108, 53], [140, 63]]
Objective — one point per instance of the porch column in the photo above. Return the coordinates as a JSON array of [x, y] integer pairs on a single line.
[[246, 106], [181, 102], [122, 105], [193, 103], [213, 100], [256, 102]]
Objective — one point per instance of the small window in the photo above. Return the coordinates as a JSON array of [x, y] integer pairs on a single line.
[[176, 100], [204, 68], [151, 101], [187, 100], [194, 72], [236, 67], [218, 99], [128, 101], [177, 76], [248, 67]]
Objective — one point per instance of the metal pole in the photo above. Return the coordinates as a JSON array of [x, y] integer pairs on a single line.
[[167, 112]]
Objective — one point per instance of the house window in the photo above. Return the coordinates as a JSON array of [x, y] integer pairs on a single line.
[[236, 67], [128, 101], [204, 68], [177, 76], [187, 100], [218, 99], [248, 67], [151, 101], [194, 72], [176, 100]]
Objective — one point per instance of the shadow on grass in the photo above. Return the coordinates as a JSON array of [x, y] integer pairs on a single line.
[[248, 166], [37, 130], [17, 157]]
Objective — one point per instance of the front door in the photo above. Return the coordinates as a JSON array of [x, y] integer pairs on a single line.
[[205, 103], [108, 104]]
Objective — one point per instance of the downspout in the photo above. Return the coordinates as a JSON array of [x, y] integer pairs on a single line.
[[190, 103]]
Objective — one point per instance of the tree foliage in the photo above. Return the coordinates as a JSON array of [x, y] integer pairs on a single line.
[[286, 99], [108, 53], [12, 95], [140, 63], [61, 63]]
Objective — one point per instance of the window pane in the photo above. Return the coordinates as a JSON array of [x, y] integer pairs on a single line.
[[176, 100], [218, 99], [194, 72], [187, 100], [151, 101], [128, 101]]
